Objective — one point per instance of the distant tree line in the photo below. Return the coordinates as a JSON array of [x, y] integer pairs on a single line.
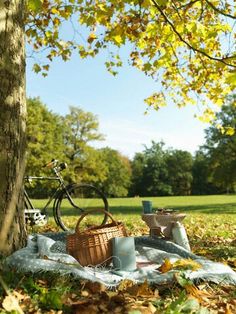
[[155, 171]]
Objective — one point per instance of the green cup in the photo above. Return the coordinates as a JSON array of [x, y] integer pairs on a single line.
[[147, 207]]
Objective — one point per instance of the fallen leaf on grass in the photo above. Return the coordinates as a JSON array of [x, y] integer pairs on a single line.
[[19, 296], [118, 299], [83, 301], [95, 287], [196, 293], [85, 293], [83, 309], [228, 310], [231, 262], [10, 303], [124, 284], [142, 290]]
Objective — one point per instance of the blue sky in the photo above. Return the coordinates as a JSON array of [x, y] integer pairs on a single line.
[[118, 103]]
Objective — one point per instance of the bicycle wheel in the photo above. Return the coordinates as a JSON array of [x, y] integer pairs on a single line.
[[77, 199]]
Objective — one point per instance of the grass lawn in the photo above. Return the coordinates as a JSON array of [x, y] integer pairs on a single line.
[[210, 220]]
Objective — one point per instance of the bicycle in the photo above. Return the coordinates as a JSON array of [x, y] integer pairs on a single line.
[[70, 200]]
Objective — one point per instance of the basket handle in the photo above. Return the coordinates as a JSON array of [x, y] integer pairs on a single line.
[[93, 211]]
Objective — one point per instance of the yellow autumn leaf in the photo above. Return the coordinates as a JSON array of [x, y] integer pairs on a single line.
[[208, 115], [219, 102], [124, 284], [92, 37], [144, 290], [196, 293], [229, 131], [231, 79], [56, 21], [162, 2], [147, 3], [55, 11], [166, 266], [228, 310], [117, 39], [187, 264]]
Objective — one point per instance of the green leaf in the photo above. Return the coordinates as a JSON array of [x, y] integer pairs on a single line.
[[190, 305], [37, 68], [52, 300], [162, 2], [34, 5], [231, 79], [182, 280]]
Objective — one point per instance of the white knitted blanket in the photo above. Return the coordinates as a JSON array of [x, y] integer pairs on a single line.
[[47, 253]]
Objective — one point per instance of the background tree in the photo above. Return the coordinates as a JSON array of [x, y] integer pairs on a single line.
[[80, 129], [88, 167], [150, 172], [66, 139], [201, 184], [44, 142], [220, 148], [45, 136], [179, 164], [118, 173]]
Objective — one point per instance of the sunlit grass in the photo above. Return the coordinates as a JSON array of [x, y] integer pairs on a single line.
[[221, 207], [207, 216]]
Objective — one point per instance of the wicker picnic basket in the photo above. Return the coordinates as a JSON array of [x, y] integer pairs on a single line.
[[93, 246]]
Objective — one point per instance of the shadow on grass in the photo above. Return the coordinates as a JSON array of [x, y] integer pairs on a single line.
[[205, 209]]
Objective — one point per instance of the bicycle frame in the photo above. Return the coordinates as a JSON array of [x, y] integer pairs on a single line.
[[61, 187], [27, 198]]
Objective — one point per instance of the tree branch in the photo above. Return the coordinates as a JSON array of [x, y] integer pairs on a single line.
[[221, 60], [189, 4], [220, 11]]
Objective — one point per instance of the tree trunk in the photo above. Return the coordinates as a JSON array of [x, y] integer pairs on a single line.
[[12, 125]]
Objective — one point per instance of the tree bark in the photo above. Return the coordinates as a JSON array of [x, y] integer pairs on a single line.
[[12, 125]]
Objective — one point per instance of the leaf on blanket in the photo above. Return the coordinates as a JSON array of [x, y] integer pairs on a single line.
[[10, 303], [187, 264], [166, 266]]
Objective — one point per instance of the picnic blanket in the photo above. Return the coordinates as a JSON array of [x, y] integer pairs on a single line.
[[47, 253]]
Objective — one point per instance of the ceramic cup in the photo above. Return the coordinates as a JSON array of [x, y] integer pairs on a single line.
[[147, 207]]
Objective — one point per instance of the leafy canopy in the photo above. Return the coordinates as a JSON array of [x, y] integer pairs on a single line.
[[187, 46]]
